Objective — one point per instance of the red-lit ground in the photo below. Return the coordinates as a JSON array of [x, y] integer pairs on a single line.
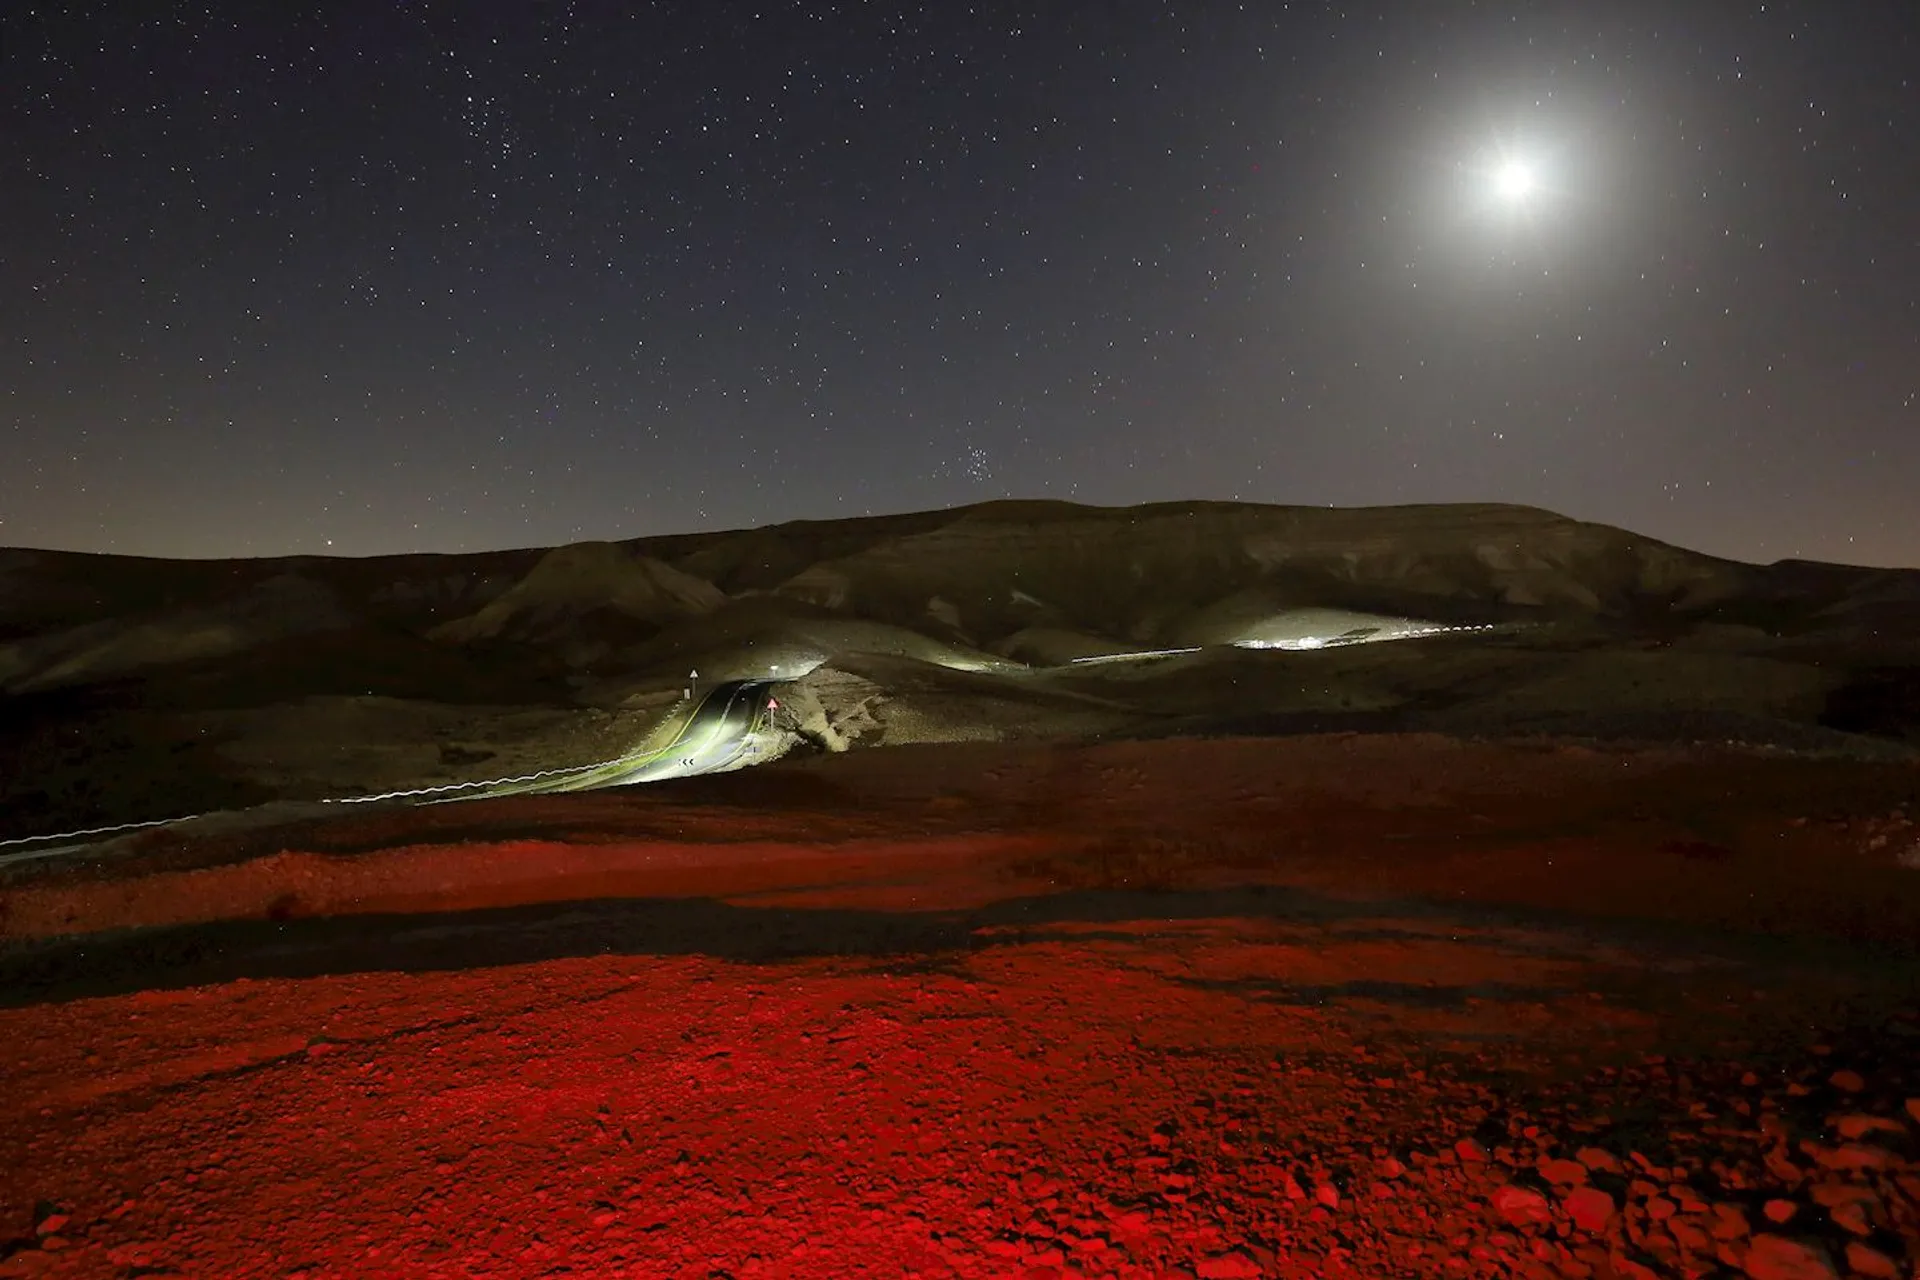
[[1266, 1037]]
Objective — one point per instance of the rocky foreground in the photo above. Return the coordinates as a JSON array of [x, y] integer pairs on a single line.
[[1347, 1007], [1366, 1095]]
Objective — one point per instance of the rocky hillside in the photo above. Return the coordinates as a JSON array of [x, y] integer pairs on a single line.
[[1002, 577], [137, 688]]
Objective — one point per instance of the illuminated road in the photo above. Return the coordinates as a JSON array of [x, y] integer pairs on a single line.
[[716, 735], [718, 732], [1303, 630]]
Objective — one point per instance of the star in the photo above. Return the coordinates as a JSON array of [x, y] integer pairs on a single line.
[[515, 275]]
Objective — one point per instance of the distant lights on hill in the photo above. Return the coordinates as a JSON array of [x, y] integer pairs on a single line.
[[1364, 635]]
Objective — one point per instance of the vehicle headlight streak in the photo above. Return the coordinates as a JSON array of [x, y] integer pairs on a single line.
[[441, 793], [1329, 642]]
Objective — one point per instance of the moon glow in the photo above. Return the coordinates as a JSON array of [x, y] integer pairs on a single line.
[[1514, 181]]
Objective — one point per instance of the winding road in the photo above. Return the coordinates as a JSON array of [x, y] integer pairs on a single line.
[[715, 734]]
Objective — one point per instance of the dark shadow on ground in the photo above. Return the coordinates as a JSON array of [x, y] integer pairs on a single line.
[[194, 955], [1411, 995]]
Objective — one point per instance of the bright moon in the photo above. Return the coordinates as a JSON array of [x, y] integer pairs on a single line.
[[1513, 181]]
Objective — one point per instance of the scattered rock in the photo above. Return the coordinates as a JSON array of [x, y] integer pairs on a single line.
[[1590, 1208], [1690, 1235], [1778, 1258], [1563, 1173], [1865, 1261], [1521, 1206], [1859, 1125], [1598, 1159], [1729, 1222], [1849, 1156], [1228, 1266], [1782, 1167], [1834, 1194]]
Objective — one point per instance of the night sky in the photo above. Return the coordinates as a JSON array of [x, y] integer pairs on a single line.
[[376, 276]]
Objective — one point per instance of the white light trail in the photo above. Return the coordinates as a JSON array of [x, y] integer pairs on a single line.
[[485, 782], [1386, 636], [1129, 656], [93, 831], [59, 837]]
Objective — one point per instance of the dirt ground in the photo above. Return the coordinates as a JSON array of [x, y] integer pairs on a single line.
[[1347, 1006]]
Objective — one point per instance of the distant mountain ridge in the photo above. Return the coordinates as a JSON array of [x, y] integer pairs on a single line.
[[134, 689], [986, 578]]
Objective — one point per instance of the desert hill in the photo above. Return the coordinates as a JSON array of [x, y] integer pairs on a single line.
[[1140, 572], [572, 583], [979, 574], [259, 613], [582, 602], [133, 685]]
